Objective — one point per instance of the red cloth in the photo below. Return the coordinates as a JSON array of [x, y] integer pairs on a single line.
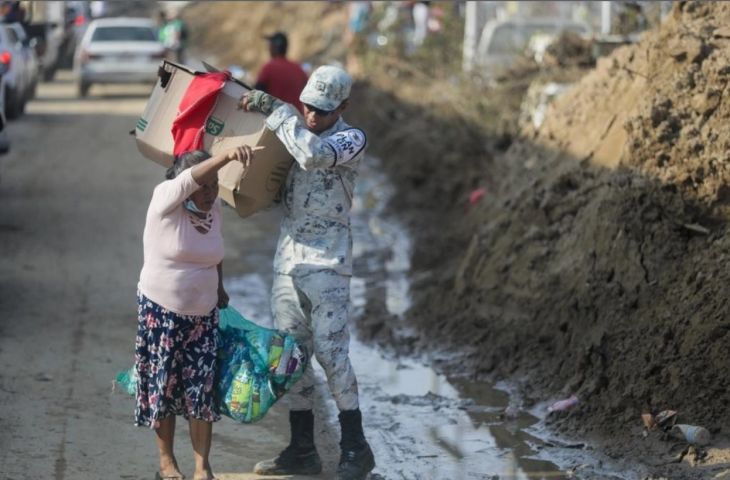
[[283, 79], [199, 100]]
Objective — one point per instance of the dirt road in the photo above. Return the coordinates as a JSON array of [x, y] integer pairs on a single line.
[[74, 194]]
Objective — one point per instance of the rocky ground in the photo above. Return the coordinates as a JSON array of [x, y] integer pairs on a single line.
[[595, 262]]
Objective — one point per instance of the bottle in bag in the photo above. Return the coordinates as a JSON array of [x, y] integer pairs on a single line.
[[283, 362], [240, 389], [256, 402], [275, 350]]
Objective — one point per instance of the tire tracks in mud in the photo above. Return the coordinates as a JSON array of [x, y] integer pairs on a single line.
[[77, 342]]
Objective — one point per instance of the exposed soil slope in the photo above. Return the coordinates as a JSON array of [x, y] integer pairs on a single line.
[[596, 264]]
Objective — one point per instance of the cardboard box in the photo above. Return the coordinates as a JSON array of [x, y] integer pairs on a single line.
[[227, 126]]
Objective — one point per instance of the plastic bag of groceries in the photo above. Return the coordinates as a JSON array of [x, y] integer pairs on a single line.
[[126, 381], [256, 366]]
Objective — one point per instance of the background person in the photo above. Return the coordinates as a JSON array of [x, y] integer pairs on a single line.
[[173, 34], [313, 264], [180, 288], [12, 11], [280, 77]]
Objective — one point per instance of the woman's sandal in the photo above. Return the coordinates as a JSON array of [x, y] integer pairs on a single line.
[[158, 476]]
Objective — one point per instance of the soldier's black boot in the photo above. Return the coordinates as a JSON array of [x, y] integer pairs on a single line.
[[356, 458], [300, 457]]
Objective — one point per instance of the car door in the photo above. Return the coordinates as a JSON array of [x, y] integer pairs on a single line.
[[17, 61], [30, 60]]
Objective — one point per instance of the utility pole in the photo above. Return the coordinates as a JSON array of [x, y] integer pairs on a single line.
[[476, 15], [605, 17]]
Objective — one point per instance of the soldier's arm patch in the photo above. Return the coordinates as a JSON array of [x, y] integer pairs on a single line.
[[346, 144]]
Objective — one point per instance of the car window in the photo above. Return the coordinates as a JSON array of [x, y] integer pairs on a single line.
[[19, 32], [12, 36], [511, 39], [126, 33]]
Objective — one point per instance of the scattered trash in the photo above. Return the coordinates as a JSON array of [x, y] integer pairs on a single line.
[[692, 433], [563, 404], [648, 420], [511, 412], [574, 470], [694, 227], [664, 419], [476, 195]]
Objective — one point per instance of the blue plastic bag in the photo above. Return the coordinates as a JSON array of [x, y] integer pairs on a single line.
[[256, 367]]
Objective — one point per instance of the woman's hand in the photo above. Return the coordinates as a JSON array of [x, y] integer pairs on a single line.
[[242, 154], [207, 171]]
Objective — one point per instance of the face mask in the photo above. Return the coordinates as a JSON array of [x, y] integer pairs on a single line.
[[191, 207]]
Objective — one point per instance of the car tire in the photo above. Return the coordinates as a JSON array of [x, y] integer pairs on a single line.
[[13, 104], [4, 142], [83, 88], [32, 90], [49, 73]]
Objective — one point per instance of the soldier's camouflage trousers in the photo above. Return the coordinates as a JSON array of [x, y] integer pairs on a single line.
[[314, 307]]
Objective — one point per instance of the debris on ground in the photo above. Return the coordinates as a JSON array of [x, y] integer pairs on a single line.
[[562, 405], [694, 435]]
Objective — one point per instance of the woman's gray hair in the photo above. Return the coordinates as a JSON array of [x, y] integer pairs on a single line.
[[185, 161]]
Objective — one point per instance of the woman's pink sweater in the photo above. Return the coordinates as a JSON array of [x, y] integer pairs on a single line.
[[179, 271]]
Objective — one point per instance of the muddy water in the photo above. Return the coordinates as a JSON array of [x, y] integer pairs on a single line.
[[421, 425]]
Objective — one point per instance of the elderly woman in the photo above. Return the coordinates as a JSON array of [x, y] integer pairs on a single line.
[[180, 288]]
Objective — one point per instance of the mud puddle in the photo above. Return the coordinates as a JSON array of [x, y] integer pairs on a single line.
[[421, 425]]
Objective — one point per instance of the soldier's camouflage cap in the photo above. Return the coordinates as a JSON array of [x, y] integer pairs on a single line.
[[327, 88]]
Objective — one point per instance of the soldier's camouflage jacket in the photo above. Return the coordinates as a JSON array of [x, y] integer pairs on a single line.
[[317, 196]]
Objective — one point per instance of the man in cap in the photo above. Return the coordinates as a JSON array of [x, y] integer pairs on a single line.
[[313, 263], [280, 77]]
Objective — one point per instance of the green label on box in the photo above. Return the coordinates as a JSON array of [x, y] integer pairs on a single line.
[[141, 124], [214, 126]]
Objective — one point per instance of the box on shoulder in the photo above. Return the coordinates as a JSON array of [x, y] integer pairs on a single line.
[[227, 126]]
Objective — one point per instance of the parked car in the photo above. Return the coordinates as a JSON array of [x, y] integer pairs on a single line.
[[78, 15], [31, 63], [51, 24], [504, 41], [4, 140], [21, 64], [118, 50]]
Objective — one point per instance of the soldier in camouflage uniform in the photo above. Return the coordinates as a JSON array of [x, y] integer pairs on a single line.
[[313, 263]]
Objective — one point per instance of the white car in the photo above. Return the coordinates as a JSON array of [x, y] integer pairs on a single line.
[[503, 41], [118, 50]]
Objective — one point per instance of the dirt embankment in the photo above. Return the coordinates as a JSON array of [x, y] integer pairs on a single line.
[[233, 31], [596, 262]]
